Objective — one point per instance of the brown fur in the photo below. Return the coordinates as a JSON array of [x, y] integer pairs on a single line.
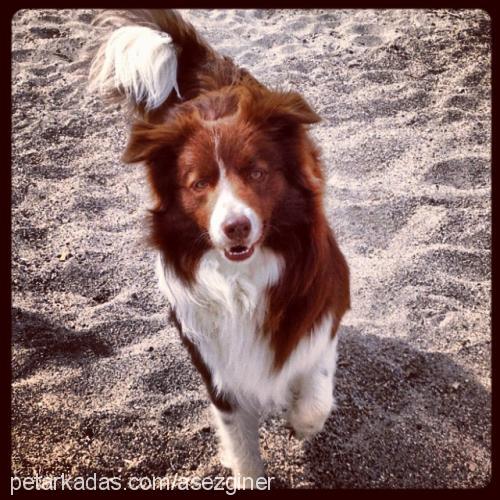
[[255, 128]]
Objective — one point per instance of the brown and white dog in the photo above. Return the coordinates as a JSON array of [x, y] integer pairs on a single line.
[[246, 259]]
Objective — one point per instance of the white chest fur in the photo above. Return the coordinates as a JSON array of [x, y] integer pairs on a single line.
[[223, 313]]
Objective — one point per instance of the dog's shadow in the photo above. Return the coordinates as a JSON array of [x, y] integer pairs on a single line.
[[405, 418], [47, 343]]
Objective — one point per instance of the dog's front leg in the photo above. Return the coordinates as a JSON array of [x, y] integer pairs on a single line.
[[313, 398], [238, 432]]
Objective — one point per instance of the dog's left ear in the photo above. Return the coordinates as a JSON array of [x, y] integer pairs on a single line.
[[282, 111], [292, 106]]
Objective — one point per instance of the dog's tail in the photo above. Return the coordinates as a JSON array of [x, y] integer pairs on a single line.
[[153, 58]]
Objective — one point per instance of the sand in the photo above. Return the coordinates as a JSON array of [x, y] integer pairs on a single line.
[[101, 383]]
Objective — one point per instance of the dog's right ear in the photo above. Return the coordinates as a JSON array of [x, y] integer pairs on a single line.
[[147, 140], [144, 140], [158, 147]]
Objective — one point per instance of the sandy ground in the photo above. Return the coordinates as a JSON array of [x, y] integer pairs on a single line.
[[101, 383]]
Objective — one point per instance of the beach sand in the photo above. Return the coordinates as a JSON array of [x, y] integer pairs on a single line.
[[101, 383]]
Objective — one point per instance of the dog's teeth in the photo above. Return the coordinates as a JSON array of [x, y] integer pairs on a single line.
[[238, 250]]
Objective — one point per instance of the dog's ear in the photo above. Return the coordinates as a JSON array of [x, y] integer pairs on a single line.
[[157, 146], [147, 140], [281, 111], [291, 106]]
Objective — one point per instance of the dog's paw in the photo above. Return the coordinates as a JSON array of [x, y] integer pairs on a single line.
[[307, 418], [243, 472], [225, 459]]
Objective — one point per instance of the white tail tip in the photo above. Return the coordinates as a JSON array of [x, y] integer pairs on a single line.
[[139, 61]]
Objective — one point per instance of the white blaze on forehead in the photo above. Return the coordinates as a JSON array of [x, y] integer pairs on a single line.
[[229, 205]]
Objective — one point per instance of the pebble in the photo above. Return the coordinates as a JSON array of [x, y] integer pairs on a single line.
[[65, 255]]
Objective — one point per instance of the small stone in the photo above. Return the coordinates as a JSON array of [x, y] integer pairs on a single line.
[[65, 255]]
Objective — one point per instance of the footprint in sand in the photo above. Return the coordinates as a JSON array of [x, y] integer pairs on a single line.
[[45, 71], [45, 32], [365, 29], [171, 379], [455, 263], [52, 18], [367, 35], [48, 171], [475, 78], [461, 173], [368, 41], [382, 77], [375, 224], [22, 55], [464, 102]]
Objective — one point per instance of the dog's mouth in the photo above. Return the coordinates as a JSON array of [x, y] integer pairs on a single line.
[[239, 252]]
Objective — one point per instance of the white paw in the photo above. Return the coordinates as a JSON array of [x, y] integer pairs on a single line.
[[308, 418], [225, 459], [240, 471]]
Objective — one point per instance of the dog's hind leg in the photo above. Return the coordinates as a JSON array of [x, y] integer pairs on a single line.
[[238, 432]]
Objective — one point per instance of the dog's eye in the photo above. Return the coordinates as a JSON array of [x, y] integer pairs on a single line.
[[200, 185], [257, 174]]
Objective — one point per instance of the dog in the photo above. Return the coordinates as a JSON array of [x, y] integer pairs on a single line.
[[251, 269]]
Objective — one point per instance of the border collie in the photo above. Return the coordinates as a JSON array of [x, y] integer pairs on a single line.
[[246, 258]]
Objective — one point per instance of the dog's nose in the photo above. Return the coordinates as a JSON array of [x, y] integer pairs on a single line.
[[237, 228]]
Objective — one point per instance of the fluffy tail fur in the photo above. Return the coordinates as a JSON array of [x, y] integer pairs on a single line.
[[147, 54]]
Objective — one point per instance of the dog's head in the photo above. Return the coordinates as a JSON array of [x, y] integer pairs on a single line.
[[229, 163]]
